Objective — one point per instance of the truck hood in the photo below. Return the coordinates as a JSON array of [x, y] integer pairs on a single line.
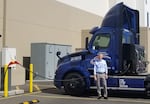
[[121, 16], [73, 56], [78, 56]]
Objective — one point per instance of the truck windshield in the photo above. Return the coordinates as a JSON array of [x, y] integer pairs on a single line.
[[101, 41]]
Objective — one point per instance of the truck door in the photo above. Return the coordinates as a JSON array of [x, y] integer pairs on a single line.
[[102, 42]]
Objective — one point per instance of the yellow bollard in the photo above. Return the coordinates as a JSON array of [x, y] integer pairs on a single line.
[[31, 79], [6, 81]]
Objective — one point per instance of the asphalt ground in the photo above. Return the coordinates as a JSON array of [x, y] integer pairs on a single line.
[[46, 93]]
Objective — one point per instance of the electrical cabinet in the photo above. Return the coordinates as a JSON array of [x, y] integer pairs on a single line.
[[6, 56], [44, 59]]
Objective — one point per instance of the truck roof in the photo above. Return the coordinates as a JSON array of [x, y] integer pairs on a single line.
[[121, 16]]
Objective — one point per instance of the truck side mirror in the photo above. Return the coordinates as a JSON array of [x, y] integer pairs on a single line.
[[58, 54]]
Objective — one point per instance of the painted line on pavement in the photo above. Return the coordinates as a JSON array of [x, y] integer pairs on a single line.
[[37, 87]]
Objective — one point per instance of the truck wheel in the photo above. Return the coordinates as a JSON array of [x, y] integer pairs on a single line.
[[74, 84]]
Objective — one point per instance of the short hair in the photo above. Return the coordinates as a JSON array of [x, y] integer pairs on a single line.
[[100, 53]]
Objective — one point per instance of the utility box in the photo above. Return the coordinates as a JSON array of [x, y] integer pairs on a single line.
[[6, 56], [44, 59]]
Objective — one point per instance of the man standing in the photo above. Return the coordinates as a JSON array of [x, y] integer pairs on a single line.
[[100, 74]]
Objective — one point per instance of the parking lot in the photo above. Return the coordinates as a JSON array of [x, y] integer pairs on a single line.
[[50, 95]]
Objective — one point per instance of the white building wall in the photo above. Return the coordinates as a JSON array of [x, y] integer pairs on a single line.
[[148, 11], [48, 21], [140, 6], [130, 3], [98, 7]]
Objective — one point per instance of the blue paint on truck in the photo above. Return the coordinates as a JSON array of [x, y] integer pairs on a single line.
[[118, 39]]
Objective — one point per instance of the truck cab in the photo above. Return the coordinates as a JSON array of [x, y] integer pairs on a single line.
[[118, 40]]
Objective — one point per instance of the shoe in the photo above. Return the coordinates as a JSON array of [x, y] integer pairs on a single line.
[[99, 97], [105, 97]]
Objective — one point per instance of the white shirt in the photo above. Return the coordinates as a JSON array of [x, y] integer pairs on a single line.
[[100, 66]]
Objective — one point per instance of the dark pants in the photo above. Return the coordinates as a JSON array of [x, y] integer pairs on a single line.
[[101, 79]]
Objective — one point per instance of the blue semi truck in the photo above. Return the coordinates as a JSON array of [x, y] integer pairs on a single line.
[[118, 40]]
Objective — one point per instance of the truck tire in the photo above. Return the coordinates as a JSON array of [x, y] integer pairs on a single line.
[[147, 86], [147, 92], [74, 84]]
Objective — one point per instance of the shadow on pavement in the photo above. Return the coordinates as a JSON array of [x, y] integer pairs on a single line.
[[53, 91], [93, 92]]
